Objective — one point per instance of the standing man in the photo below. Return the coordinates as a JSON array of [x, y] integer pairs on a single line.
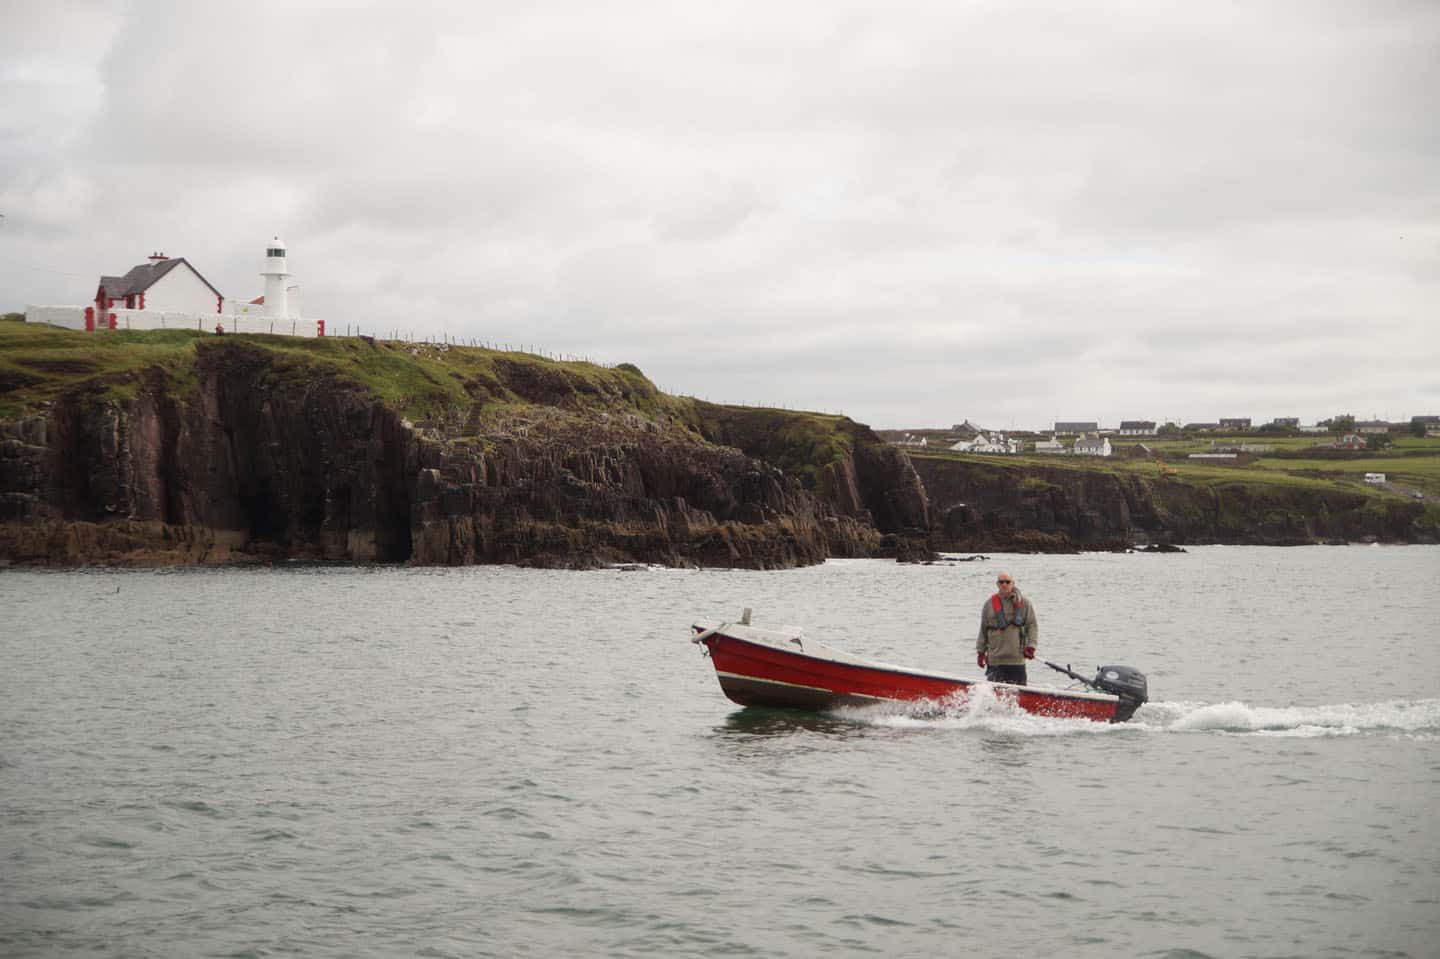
[[1009, 632]]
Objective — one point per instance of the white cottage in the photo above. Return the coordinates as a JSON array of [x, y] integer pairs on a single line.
[[163, 285], [1087, 446], [993, 443]]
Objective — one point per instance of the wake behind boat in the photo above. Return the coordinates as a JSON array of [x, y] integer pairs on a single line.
[[781, 667]]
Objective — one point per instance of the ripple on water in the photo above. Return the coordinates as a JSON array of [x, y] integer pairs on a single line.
[[415, 784]]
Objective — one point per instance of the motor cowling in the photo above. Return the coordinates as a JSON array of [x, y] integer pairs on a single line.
[[1124, 681]]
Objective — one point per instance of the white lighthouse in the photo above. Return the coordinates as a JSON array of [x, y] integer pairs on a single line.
[[277, 302]]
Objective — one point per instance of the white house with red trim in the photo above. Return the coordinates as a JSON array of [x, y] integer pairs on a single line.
[[162, 284]]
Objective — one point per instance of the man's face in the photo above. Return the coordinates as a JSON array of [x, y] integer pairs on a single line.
[[1005, 583]]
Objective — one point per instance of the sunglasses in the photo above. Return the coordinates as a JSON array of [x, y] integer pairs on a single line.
[[1004, 581]]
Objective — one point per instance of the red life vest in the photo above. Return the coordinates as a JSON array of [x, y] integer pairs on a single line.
[[998, 607]]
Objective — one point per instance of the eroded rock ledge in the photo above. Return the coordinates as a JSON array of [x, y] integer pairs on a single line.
[[245, 462]]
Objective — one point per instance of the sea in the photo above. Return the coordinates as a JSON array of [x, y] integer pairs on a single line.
[[495, 761]]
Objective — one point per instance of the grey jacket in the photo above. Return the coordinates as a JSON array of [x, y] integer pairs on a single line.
[[1000, 639]]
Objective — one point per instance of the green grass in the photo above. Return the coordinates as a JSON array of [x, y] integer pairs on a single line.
[[803, 444], [1408, 442], [1420, 472], [1203, 444], [40, 363], [1275, 473]]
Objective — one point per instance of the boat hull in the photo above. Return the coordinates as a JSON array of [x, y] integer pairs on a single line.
[[758, 667]]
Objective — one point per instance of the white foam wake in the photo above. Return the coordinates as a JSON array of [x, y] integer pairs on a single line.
[[984, 711], [981, 709], [1399, 717]]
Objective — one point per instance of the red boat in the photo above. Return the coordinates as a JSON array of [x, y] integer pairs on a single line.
[[782, 668]]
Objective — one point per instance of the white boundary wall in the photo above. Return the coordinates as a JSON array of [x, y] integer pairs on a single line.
[[70, 317], [73, 317], [232, 322]]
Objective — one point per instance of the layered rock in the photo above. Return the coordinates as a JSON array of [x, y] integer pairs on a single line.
[[253, 460]]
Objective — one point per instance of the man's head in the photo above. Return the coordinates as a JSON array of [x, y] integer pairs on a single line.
[[1005, 583]]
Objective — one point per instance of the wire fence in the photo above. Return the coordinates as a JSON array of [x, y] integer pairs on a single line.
[[445, 340]]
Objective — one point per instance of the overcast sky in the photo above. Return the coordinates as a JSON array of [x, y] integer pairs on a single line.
[[915, 213]]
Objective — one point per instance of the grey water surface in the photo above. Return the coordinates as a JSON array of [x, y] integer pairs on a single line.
[[329, 761]]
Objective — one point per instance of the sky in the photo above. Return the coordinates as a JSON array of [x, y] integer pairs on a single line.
[[914, 213]]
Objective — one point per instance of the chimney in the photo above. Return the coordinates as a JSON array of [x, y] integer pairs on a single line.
[[158, 257]]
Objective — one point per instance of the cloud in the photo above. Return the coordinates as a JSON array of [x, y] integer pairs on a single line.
[[1006, 212]]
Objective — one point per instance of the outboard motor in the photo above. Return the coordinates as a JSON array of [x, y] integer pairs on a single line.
[[1126, 682]]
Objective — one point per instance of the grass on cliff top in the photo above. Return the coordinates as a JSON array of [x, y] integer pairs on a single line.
[[1325, 476], [1195, 474], [426, 380], [801, 443], [39, 363], [1418, 472]]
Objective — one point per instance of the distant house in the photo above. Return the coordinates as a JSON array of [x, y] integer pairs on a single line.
[[1201, 427], [966, 430], [1075, 428], [1051, 445], [993, 443], [1372, 427], [1287, 422], [1086, 446], [910, 439], [163, 284], [1137, 428], [1235, 423], [1350, 441], [1430, 423]]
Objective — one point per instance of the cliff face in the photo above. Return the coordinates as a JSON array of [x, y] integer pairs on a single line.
[[242, 459], [842, 462], [989, 506], [175, 448]]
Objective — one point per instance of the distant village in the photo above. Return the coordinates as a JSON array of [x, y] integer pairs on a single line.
[[1241, 437]]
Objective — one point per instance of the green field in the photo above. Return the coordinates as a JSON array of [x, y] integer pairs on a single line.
[[1421, 472], [1413, 466]]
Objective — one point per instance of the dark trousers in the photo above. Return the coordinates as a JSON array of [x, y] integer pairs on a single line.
[[1006, 674]]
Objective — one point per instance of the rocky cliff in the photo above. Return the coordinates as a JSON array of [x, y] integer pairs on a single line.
[[172, 447], [989, 504], [239, 449]]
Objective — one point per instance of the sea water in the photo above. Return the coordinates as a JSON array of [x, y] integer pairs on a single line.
[[344, 761]]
